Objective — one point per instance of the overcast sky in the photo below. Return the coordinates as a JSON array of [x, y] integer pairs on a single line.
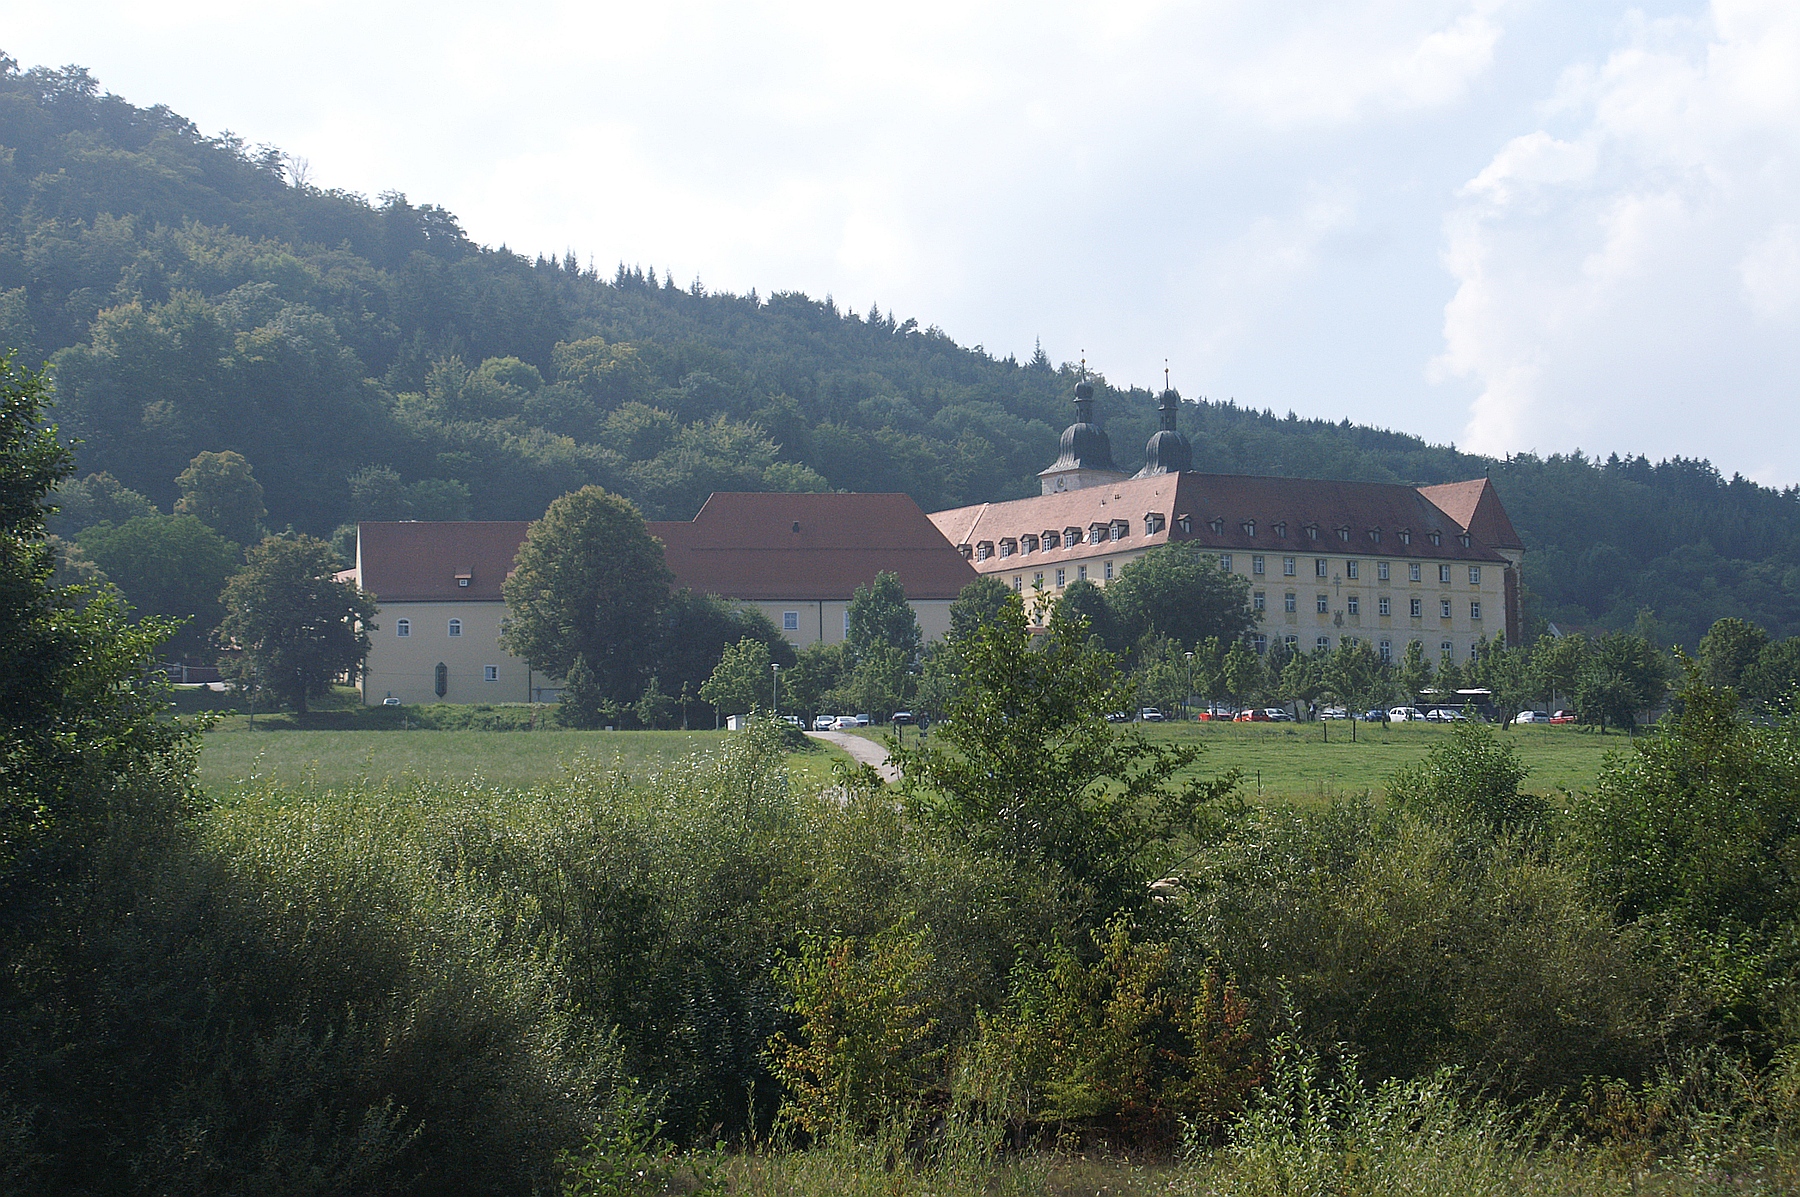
[[1516, 226]]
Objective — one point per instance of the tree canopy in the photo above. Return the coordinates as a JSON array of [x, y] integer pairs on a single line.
[[290, 627], [590, 582]]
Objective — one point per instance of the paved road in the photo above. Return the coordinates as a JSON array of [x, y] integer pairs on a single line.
[[860, 748]]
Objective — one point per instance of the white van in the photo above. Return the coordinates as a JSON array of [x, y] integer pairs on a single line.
[[1405, 715]]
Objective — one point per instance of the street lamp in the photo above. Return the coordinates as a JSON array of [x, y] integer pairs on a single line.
[[774, 688], [1190, 682]]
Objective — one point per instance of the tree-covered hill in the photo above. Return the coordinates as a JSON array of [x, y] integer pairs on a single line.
[[370, 361]]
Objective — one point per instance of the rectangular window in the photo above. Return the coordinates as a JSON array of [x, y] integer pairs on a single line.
[[1060, 574], [790, 621], [1353, 605], [1108, 571], [1287, 567], [1447, 649], [846, 621], [1081, 573], [1259, 602], [1260, 643], [1443, 575], [1381, 570], [1444, 608], [1018, 583], [1323, 644], [1037, 580], [1474, 575], [403, 628], [1321, 567], [455, 628], [1292, 642], [1256, 566], [1351, 568], [1324, 603], [490, 673], [1412, 572], [1387, 652], [1384, 605], [1225, 562], [1288, 602], [1474, 610], [1418, 608]]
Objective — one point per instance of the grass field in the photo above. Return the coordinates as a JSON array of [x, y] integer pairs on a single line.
[[337, 759], [1313, 762], [1279, 762]]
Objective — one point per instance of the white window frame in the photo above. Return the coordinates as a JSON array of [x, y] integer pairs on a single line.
[[1384, 605], [1381, 571], [490, 673], [1475, 609], [790, 621], [453, 629], [403, 628], [1474, 575], [1443, 608], [1352, 569]]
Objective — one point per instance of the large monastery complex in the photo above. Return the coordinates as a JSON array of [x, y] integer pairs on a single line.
[[1327, 562]]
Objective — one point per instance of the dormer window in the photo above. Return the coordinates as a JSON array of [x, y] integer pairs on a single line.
[[1436, 538], [1464, 538], [1279, 527], [1217, 525], [1119, 529], [1405, 535], [1153, 523], [967, 551], [1096, 533], [1375, 535], [1186, 524], [1028, 543], [1071, 537], [1052, 540], [1008, 547], [983, 550], [1312, 531], [464, 578], [1249, 527], [1344, 534]]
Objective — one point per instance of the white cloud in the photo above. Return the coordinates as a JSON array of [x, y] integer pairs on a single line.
[[1633, 281]]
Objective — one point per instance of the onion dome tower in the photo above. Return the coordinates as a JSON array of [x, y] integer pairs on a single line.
[[1086, 458], [1168, 451]]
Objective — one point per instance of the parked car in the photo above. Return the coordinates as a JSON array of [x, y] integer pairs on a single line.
[[390, 701], [1217, 714], [1531, 717], [863, 721], [1334, 713], [1563, 717], [901, 717], [1119, 717], [1378, 715], [1278, 715], [1404, 714], [824, 722], [1446, 715], [1150, 715], [794, 721], [844, 723], [1251, 715]]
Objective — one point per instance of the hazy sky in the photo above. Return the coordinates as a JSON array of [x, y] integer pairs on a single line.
[[1518, 226]]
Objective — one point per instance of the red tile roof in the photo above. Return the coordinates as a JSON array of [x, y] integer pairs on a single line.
[[1476, 506], [743, 546], [1239, 503], [811, 547]]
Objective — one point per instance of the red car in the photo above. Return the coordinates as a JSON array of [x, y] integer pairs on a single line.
[[1563, 717], [1253, 715]]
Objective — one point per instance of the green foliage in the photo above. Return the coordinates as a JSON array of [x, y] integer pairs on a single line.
[[167, 565], [1471, 778], [978, 605], [1126, 1042], [864, 1045], [1027, 765], [743, 680], [1730, 647], [882, 620], [626, 1155], [1083, 602], [696, 631], [96, 499], [589, 582], [220, 491], [1177, 592], [290, 627], [1622, 676]]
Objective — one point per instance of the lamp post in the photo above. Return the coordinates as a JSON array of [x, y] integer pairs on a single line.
[[774, 688], [1190, 681]]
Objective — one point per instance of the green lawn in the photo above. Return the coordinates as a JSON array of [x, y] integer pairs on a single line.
[[1295, 763], [337, 759]]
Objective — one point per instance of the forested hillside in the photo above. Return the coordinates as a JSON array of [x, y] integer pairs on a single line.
[[369, 361]]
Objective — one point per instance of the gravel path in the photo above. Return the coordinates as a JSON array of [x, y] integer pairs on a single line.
[[862, 749]]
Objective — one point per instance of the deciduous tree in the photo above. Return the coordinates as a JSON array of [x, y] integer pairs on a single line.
[[1180, 593], [881, 618], [290, 626], [220, 491]]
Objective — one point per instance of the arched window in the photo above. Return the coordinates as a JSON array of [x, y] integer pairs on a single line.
[[403, 628], [456, 627]]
